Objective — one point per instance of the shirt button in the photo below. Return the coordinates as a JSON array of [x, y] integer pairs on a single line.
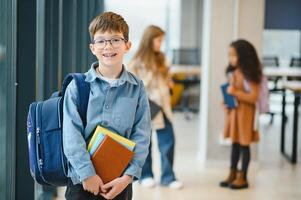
[[107, 106]]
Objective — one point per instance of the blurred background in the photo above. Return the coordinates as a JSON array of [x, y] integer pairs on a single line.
[[43, 40]]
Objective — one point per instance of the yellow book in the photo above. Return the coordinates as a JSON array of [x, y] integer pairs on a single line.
[[122, 140]]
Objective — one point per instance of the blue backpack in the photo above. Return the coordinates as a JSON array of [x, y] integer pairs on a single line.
[[48, 164]]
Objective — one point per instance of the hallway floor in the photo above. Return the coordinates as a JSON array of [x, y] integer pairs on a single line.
[[270, 177]]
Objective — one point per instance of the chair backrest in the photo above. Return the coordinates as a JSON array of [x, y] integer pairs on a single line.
[[186, 56], [270, 61], [295, 62]]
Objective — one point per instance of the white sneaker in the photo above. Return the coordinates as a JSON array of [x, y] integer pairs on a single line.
[[148, 182], [176, 185]]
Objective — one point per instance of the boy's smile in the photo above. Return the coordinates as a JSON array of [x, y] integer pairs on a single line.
[[109, 55]]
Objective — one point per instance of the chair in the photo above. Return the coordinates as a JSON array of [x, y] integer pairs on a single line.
[[295, 62], [272, 61], [187, 56]]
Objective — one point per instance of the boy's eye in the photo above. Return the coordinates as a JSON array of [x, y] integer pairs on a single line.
[[115, 40], [100, 41]]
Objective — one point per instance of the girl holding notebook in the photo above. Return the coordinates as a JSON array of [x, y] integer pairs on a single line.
[[244, 74]]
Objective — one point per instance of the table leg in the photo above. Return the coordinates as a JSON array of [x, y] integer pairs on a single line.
[[283, 122], [295, 128]]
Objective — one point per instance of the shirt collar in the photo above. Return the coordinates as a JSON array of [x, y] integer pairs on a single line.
[[125, 76]]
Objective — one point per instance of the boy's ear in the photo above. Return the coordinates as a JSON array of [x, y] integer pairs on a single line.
[[92, 48], [128, 46]]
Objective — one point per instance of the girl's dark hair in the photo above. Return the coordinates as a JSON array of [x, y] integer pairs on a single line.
[[229, 69], [248, 61]]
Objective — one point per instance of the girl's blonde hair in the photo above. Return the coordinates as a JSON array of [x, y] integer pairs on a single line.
[[146, 56]]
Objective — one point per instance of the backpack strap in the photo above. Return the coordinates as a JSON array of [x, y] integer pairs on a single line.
[[83, 93]]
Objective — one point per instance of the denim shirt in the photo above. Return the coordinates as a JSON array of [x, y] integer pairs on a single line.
[[122, 108]]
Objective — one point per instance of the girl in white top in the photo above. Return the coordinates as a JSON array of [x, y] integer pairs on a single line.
[[150, 65]]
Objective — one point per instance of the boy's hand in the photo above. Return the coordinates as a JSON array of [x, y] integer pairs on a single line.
[[116, 186], [93, 184]]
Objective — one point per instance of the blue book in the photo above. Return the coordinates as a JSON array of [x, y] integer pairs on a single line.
[[97, 142], [229, 100]]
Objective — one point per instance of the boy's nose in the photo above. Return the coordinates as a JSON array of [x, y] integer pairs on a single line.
[[108, 45]]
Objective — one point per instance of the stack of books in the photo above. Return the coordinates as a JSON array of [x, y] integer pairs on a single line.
[[110, 153]]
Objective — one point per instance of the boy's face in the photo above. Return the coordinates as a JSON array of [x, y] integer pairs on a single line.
[[109, 48]]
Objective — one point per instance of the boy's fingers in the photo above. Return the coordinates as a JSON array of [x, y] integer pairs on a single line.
[[106, 196], [96, 191], [84, 186], [102, 189], [109, 185], [110, 194]]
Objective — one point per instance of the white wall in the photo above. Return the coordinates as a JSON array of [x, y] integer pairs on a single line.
[[191, 23]]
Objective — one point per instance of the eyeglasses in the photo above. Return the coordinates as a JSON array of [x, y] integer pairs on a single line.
[[115, 42]]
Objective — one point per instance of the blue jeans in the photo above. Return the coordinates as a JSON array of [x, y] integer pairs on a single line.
[[45, 192], [166, 143]]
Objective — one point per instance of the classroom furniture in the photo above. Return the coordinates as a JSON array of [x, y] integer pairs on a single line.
[[295, 87]]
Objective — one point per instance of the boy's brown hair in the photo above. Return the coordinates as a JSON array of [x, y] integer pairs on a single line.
[[109, 21]]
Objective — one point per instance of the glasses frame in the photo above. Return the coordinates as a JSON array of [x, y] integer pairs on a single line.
[[108, 41]]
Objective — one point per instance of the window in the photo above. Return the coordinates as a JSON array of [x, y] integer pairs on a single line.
[[7, 97]]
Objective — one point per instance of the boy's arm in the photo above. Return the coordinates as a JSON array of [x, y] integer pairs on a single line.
[[141, 133], [73, 140]]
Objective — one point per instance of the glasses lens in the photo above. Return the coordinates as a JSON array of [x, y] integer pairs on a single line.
[[100, 43], [116, 42]]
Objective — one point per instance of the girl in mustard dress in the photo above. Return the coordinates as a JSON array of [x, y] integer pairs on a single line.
[[244, 73]]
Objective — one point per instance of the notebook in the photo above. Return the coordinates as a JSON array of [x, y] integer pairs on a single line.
[[122, 140], [111, 159], [96, 143], [229, 100]]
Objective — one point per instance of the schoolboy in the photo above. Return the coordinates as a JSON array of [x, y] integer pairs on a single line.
[[117, 101]]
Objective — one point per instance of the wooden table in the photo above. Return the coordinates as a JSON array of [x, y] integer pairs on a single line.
[[283, 72], [294, 86], [190, 70]]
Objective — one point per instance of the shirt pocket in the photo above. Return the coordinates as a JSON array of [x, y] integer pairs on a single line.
[[124, 113]]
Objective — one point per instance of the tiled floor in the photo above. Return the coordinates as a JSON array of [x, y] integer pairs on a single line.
[[271, 177]]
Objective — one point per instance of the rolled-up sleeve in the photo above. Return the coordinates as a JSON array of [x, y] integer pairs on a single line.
[[73, 140], [141, 133]]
